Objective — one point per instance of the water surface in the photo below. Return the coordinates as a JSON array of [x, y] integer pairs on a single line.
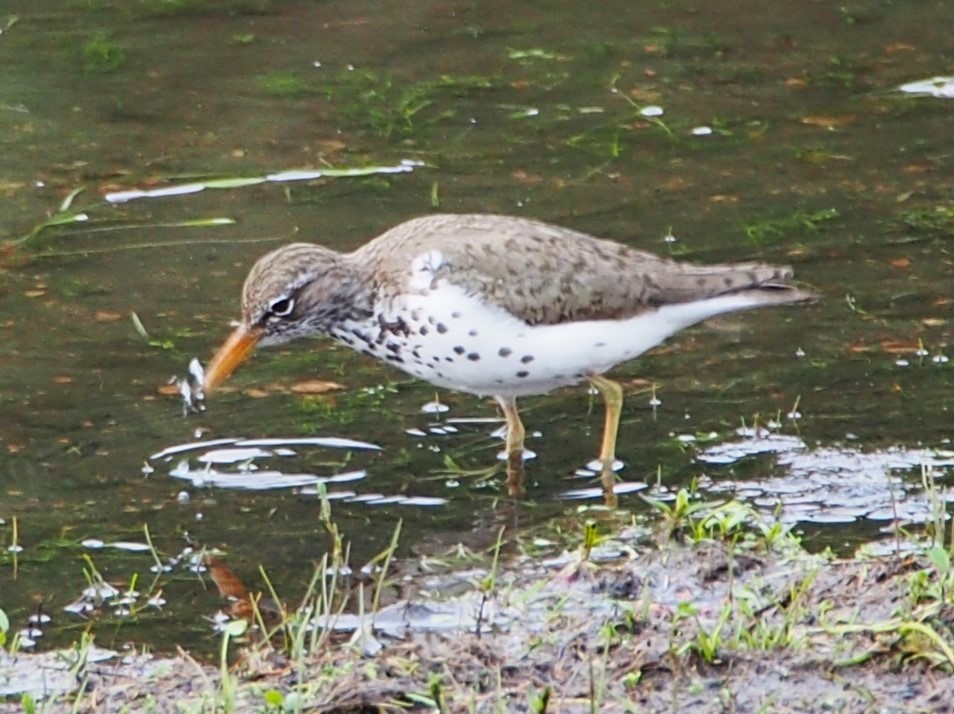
[[813, 159]]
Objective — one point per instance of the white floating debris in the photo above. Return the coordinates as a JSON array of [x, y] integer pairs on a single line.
[[365, 497], [79, 607], [652, 111], [387, 500], [181, 190], [752, 432], [902, 363], [114, 197], [96, 544], [578, 494], [100, 591], [701, 130], [939, 359], [191, 446], [245, 480], [799, 352], [129, 545], [347, 476], [938, 87], [527, 455], [123, 196], [233, 456], [424, 501], [294, 176], [331, 442], [434, 407], [597, 466]]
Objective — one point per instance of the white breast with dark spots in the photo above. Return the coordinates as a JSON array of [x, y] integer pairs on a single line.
[[457, 341], [449, 338]]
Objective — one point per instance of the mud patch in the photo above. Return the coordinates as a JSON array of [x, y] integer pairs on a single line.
[[747, 622]]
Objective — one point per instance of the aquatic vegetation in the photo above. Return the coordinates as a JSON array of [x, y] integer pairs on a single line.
[[930, 220], [386, 106], [103, 55], [285, 84], [772, 229]]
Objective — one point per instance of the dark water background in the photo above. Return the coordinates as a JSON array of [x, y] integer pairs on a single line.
[[533, 109]]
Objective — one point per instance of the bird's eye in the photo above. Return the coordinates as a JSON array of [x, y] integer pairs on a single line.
[[281, 307]]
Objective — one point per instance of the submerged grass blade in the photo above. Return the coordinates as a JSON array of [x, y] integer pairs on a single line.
[[64, 216], [68, 201], [403, 166]]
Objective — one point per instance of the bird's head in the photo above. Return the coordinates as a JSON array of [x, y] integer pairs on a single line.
[[298, 290]]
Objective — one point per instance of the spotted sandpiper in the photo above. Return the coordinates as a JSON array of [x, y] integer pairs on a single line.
[[492, 305]]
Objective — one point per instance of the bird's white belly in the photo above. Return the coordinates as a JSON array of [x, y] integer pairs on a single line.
[[457, 341]]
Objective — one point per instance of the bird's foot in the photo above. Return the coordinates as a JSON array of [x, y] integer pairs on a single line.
[[608, 480]]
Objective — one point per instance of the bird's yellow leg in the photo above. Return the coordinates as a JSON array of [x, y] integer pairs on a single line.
[[515, 435], [613, 400]]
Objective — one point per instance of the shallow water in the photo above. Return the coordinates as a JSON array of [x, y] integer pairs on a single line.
[[814, 159]]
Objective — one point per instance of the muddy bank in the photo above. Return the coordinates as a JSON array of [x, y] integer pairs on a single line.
[[723, 614]]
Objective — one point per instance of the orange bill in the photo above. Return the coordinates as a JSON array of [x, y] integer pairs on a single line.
[[236, 349]]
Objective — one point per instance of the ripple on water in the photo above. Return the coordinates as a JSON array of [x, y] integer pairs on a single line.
[[833, 484], [249, 464]]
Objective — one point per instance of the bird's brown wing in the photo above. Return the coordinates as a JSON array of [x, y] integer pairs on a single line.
[[546, 274]]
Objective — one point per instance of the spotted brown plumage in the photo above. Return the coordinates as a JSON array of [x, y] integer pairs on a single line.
[[493, 305]]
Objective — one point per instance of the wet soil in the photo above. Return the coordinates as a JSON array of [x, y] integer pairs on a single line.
[[737, 625]]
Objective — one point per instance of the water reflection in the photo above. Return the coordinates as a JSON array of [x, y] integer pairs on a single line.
[[832, 484]]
